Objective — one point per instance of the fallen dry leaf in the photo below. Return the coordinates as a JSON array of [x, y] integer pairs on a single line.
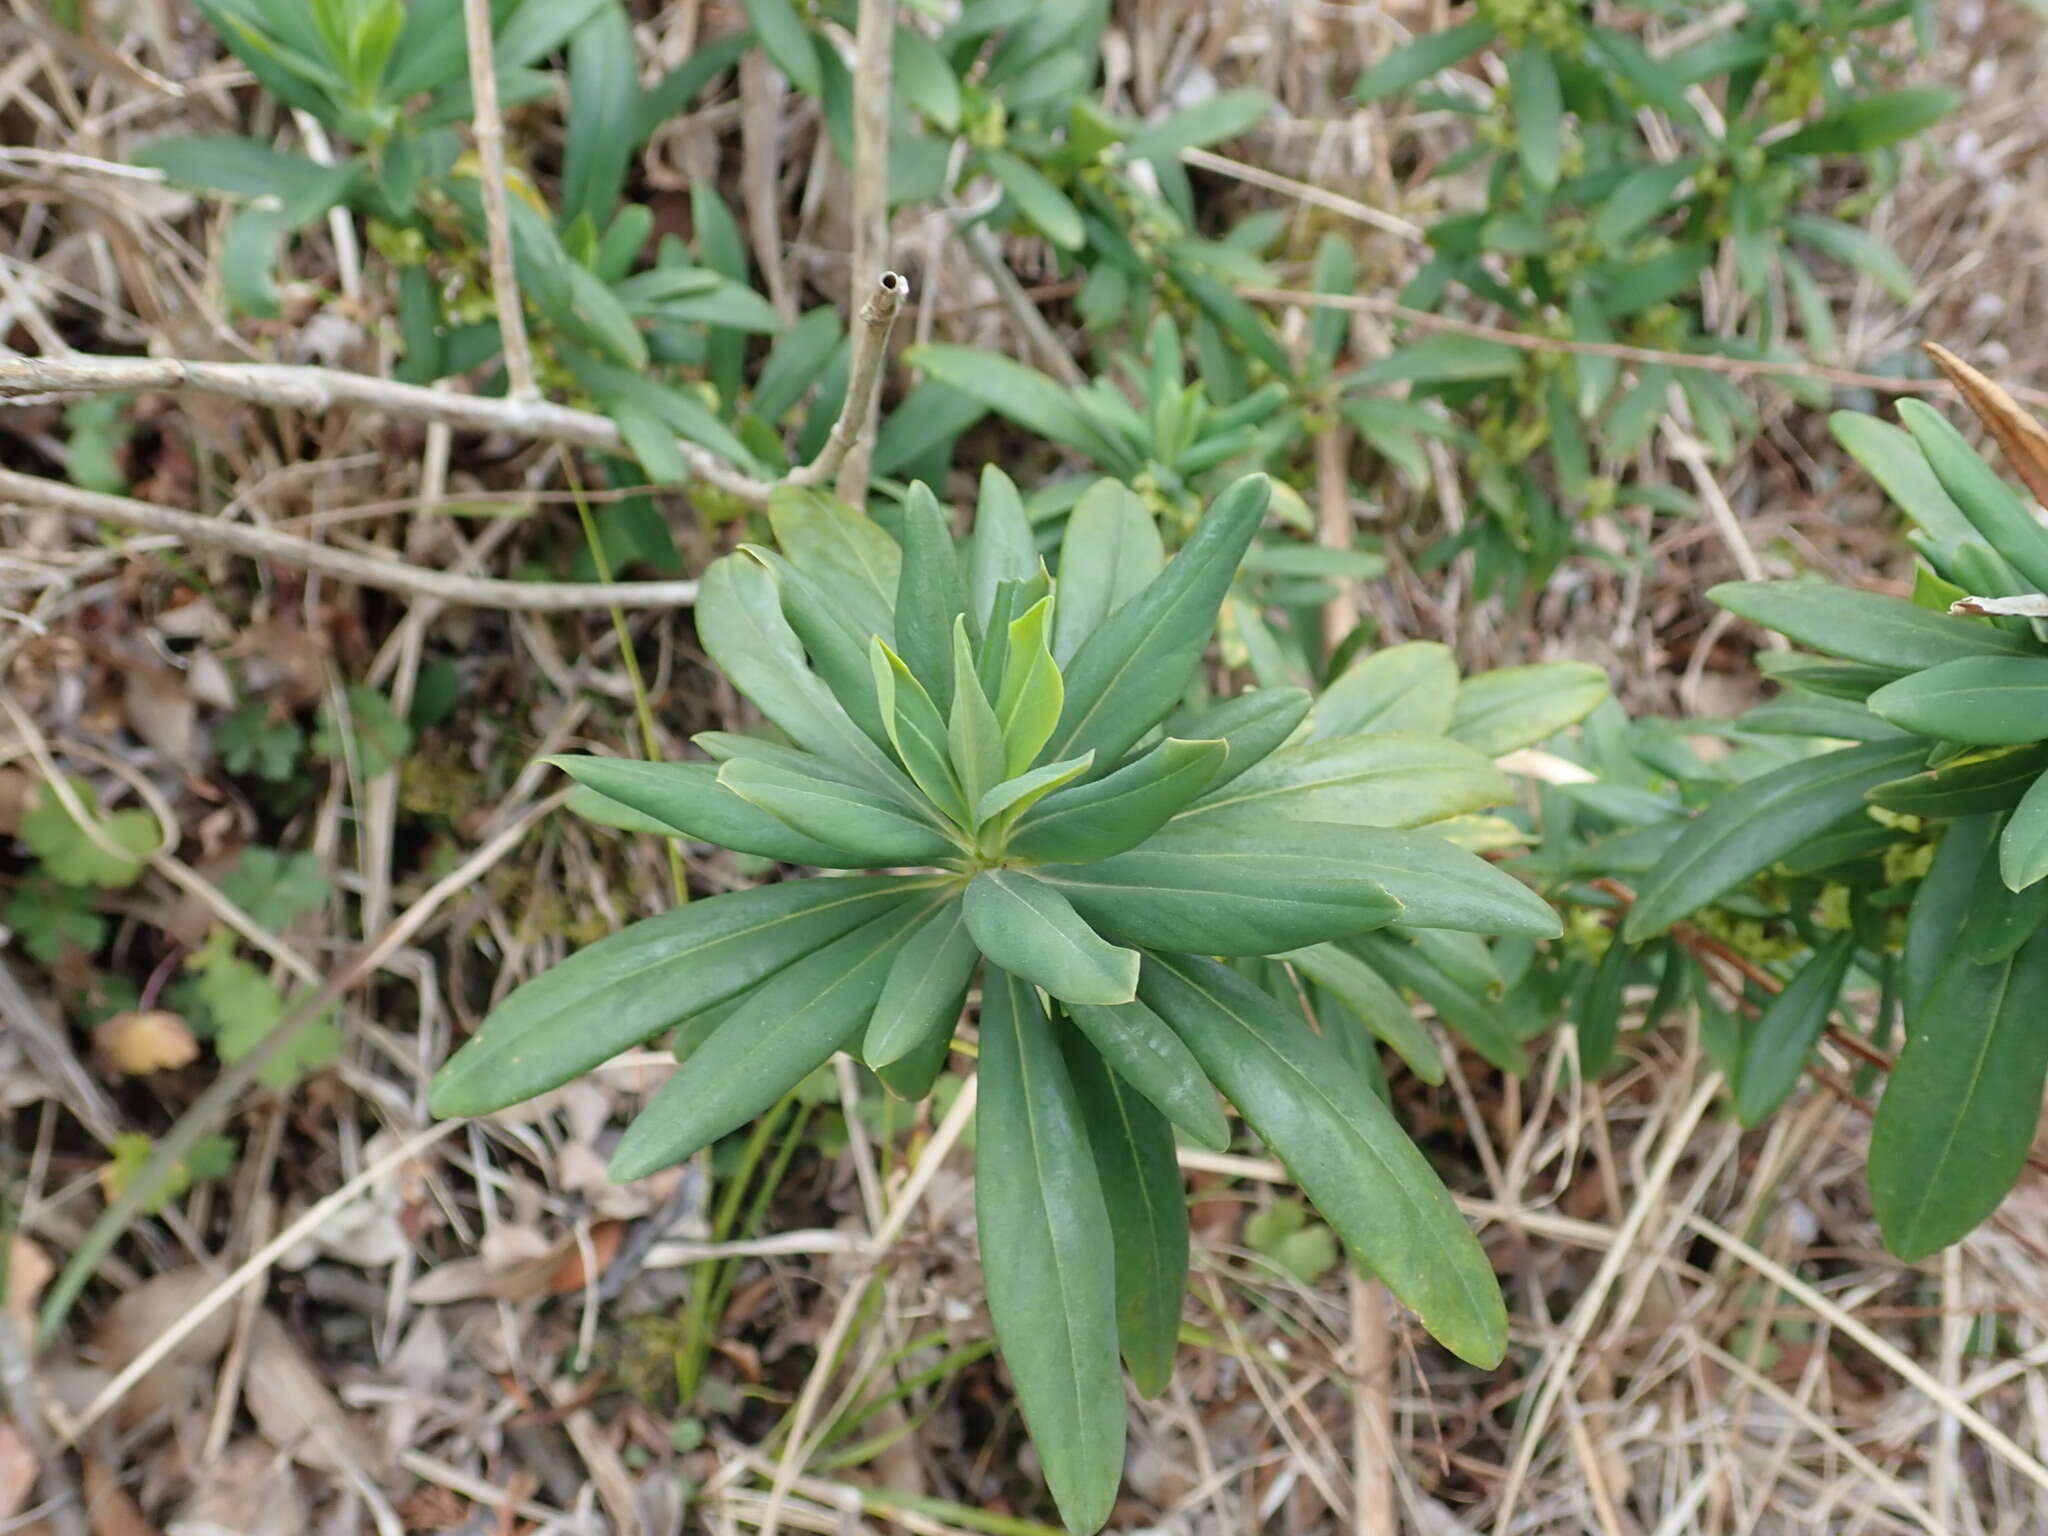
[[604, 1243], [139, 1318], [112, 1511], [140, 1043], [28, 1271], [17, 1469], [250, 1491], [293, 1408]]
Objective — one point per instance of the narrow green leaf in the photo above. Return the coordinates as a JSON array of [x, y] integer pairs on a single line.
[[1636, 287], [604, 108], [1129, 673], [1989, 701], [1416, 61], [1394, 780], [1253, 726], [785, 1029], [925, 78], [1142, 1051], [1031, 399], [1642, 196], [1013, 797], [1110, 551], [1476, 1017], [1343, 1146], [1934, 926], [931, 592], [784, 39], [1225, 115], [1981, 780], [800, 354], [860, 821], [1376, 1004], [1028, 702], [924, 991], [619, 991], [741, 626], [1871, 122], [1028, 928], [1994, 509], [843, 550], [1598, 1020], [1446, 357], [1048, 1253], [249, 257], [304, 189], [1044, 204], [1783, 1037], [1133, 1150], [1122, 809], [1856, 248], [686, 800], [1511, 707], [840, 652], [1438, 884], [1747, 831], [1002, 548], [916, 730], [1962, 1102], [1868, 627], [1895, 461], [2023, 846], [1412, 687], [1539, 114], [2000, 920], [974, 736], [1221, 892]]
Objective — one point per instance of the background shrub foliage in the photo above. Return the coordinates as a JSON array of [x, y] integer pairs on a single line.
[[1004, 753]]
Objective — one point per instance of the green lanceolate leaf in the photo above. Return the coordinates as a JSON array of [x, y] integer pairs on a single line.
[[1110, 551], [1539, 114], [783, 38], [1962, 1101], [1994, 509], [850, 817], [843, 550], [1044, 204], [686, 800], [1515, 707], [1751, 829], [2023, 846], [1871, 122], [1862, 626], [741, 626], [1120, 810], [1989, 701], [1030, 929], [1982, 780], [930, 592], [1013, 797], [1934, 926], [620, 990], [1133, 1150], [1048, 1253], [974, 736], [1253, 726], [922, 995], [1598, 1024], [1477, 1017], [2001, 920], [1417, 61], [1029, 699], [1896, 463], [1002, 548], [1412, 687], [1128, 674], [839, 652], [1219, 891], [1783, 1037], [1377, 1005], [786, 1029], [1142, 1051], [916, 730], [1341, 1143], [1393, 780]]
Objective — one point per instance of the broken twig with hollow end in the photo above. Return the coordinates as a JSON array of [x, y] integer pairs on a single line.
[[365, 570], [875, 30], [488, 126]]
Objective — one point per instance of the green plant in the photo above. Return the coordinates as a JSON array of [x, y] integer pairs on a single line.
[[1883, 825], [1592, 233], [1073, 818]]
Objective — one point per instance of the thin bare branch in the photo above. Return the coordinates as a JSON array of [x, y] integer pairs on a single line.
[[875, 30], [870, 348], [366, 570], [489, 127]]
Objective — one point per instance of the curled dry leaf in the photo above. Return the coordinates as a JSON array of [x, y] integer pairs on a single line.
[[293, 1408], [139, 1318], [137, 1044], [2023, 439], [568, 1274], [28, 1271], [2031, 605]]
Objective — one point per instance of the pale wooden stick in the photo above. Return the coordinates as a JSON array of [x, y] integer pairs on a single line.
[[489, 127], [874, 32]]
